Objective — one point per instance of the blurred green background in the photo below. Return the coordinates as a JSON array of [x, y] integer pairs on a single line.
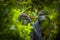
[[10, 27]]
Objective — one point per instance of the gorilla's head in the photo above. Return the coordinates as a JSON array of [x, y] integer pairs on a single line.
[[42, 15], [24, 19]]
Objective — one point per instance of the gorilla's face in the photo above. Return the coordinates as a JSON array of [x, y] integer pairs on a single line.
[[24, 21], [42, 17]]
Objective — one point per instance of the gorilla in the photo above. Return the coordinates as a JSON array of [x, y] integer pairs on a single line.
[[37, 33], [24, 19]]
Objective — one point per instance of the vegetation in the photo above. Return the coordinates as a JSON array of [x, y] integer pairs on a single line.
[[10, 27]]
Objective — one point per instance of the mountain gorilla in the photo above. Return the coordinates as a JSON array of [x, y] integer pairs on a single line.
[[37, 33], [24, 19]]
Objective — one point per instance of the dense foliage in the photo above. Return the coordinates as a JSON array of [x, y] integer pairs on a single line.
[[10, 27]]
